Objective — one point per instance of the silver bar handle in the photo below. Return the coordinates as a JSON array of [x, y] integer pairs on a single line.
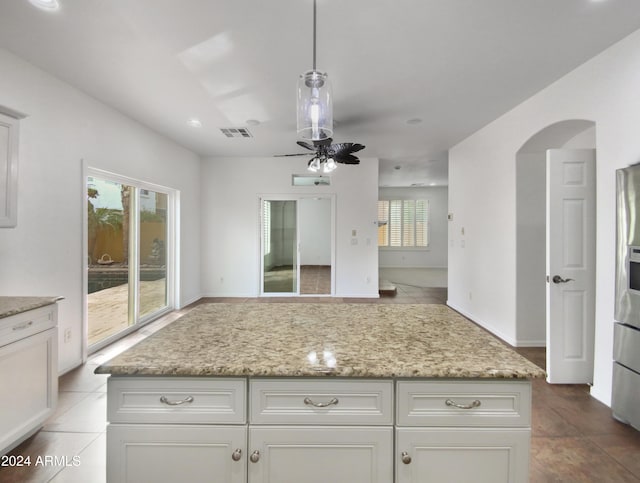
[[473, 404], [164, 400], [23, 325], [309, 402]]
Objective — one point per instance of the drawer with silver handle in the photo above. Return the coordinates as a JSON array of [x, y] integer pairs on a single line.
[[25, 324], [176, 400], [316, 401], [464, 403]]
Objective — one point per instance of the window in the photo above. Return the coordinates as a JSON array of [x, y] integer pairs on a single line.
[[403, 223]]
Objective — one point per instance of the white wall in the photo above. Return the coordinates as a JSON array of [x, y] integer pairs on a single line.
[[315, 231], [531, 248], [231, 222], [482, 173], [435, 256], [43, 254]]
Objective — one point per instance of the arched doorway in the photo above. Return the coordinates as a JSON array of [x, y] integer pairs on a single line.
[[531, 226]]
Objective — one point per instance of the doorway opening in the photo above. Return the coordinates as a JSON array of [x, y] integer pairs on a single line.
[[297, 248], [538, 301], [129, 255]]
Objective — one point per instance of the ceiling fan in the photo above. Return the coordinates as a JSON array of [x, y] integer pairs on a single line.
[[328, 154]]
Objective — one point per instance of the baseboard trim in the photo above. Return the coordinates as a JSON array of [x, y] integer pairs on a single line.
[[484, 325], [417, 267], [188, 302], [531, 343]]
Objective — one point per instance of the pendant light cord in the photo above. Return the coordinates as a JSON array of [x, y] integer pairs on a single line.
[[314, 35]]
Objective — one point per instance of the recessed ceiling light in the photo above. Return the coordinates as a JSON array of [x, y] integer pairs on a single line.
[[415, 120], [252, 122], [193, 122], [397, 167], [45, 4]]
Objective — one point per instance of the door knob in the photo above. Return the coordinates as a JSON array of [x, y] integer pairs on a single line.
[[255, 456], [406, 459], [236, 455], [559, 279]]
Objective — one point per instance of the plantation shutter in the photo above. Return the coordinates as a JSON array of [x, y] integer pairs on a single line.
[[266, 227], [408, 223], [383, 229], [422, 220], [395, 220]]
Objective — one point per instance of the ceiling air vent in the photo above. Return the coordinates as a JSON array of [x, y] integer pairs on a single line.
[[236, 132]]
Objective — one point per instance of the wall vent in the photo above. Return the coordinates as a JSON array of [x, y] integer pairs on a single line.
[[236, 132]]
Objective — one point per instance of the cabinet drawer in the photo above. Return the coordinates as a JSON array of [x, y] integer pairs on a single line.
[[464, 403], [25, 324], [176, 400], [314, 401]]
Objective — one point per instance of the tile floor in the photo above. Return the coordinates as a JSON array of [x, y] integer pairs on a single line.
[[574, 438]]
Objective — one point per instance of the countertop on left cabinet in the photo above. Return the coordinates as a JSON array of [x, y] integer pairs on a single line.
[[16, 305], [28, 366]]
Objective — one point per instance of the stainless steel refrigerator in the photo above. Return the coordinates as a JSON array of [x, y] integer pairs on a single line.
[[626, 345]]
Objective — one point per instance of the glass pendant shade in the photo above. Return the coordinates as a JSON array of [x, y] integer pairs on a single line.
[[314, 165], [315, 109], [329, 165]]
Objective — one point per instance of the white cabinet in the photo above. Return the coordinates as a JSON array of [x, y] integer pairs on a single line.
[[463, 431], [176, 429], [313, 430], [9, 125], [479, 455], [167, 452], [28, 373], [320, 454]]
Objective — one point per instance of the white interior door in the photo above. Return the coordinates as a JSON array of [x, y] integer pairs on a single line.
[[571, 231]]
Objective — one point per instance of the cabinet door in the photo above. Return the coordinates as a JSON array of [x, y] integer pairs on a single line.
[[145, 452], [29, 382], [484, 455], [320, 454]]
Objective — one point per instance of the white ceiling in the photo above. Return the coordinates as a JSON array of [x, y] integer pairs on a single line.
[[455, 64]]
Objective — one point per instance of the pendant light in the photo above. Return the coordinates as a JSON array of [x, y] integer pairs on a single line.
[[315, 110]]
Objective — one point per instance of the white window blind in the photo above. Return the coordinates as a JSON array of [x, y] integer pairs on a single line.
[[403, 223], [266, 226]]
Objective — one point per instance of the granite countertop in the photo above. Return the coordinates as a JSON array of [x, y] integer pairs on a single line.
[[16, 305], [329, 339]]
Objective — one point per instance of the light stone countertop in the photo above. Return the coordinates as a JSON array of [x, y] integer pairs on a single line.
[[343, 340], [16, 305]]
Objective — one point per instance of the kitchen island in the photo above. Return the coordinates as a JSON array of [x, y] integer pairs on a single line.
[[296, 392]]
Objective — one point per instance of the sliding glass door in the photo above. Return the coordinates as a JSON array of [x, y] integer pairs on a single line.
[[280, 269], [297, 245], [129, 242]]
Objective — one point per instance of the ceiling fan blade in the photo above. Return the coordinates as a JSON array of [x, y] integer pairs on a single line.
[[346, 148], [306, 145], [346, 159], [286, 155]]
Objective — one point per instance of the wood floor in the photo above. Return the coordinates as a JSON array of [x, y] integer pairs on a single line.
[[574, 437]]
